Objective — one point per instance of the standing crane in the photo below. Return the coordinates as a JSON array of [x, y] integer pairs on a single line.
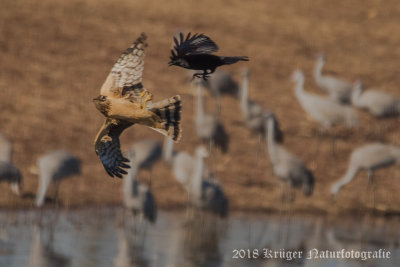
[[323, 110], [208, 127], [288, 167], [54, 167], [221, 83], [147, 153], [138, 197], [202, 187], [252, 112], [339, 90]]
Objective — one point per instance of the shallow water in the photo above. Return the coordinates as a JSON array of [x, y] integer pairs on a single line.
[[109, 237]]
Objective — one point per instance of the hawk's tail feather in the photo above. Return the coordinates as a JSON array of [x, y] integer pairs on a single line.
[[169, 110], [231, 60]]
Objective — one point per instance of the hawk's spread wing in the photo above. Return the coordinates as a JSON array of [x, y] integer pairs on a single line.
[[126, 75], [197, 44], [108, 148]]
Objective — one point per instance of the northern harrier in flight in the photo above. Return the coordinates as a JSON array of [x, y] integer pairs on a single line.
[[124, 101]]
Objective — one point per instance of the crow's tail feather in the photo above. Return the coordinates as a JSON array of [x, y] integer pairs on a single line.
[[231, 60], [169, 110]]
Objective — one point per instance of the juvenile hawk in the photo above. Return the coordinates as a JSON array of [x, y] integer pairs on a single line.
[[124, 101]]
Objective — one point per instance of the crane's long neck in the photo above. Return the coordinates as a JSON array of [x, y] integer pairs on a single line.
[[351, 172], [168, 149], [355, 95], [200, 107], [197, 177], [44, 182], [318, 69], [300, 86], [271, 144], [130, 181], [244, 96]]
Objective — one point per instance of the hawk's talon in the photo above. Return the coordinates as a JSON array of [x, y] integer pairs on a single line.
[[148, 97]]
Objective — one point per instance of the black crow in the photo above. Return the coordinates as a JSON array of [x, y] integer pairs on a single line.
[[194, 52]]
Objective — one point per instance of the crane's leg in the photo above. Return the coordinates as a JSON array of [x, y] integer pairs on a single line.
[[150, 177], [57, 186], [319, 141], [372, 185], [218, 100], [333, 139]]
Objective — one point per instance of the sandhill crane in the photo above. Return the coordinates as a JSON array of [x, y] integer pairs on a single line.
[[321, 109], [147, 153], [368, 157], [138, 197], [325, 111], [208, 127], [206, 194], [6, 149], [11, 174], [54, 167], [252, 112], [221, 83], [379, 104], [199, 182], [289, 168], [339, 90]]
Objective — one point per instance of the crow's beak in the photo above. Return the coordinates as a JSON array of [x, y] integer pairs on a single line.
[[170, 63]]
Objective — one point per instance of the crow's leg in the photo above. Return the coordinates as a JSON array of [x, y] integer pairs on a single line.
[[197, 75], [206, 74]]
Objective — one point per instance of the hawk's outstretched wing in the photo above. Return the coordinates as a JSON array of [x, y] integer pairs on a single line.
[[108, 148], [197, 44], [126, 75]]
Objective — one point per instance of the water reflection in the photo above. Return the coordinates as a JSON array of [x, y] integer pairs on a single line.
[[42, 253], [104, 237]]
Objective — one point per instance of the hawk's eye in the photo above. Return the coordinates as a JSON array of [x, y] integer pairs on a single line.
[[103, 98]]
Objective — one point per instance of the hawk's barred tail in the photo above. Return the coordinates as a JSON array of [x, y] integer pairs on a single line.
[[169, 110], [231, 60]]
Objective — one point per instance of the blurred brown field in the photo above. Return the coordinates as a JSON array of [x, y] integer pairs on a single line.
[[55, 55]]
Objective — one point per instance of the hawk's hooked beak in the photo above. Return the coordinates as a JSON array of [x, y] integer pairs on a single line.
[[99, 98]]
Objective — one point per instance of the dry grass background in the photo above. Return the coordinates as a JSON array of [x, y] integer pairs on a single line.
[[55, 55]]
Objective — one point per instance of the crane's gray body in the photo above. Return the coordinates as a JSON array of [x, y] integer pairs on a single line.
[[54, 167], [288, 167], [339, 90], [323, 110], [208, 127], [379, 104]]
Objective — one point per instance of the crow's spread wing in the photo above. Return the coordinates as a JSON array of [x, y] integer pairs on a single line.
[[126, 75], [196, 44], [108, 148]]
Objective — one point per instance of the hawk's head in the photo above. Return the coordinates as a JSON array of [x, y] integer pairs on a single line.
[[102, 104]]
